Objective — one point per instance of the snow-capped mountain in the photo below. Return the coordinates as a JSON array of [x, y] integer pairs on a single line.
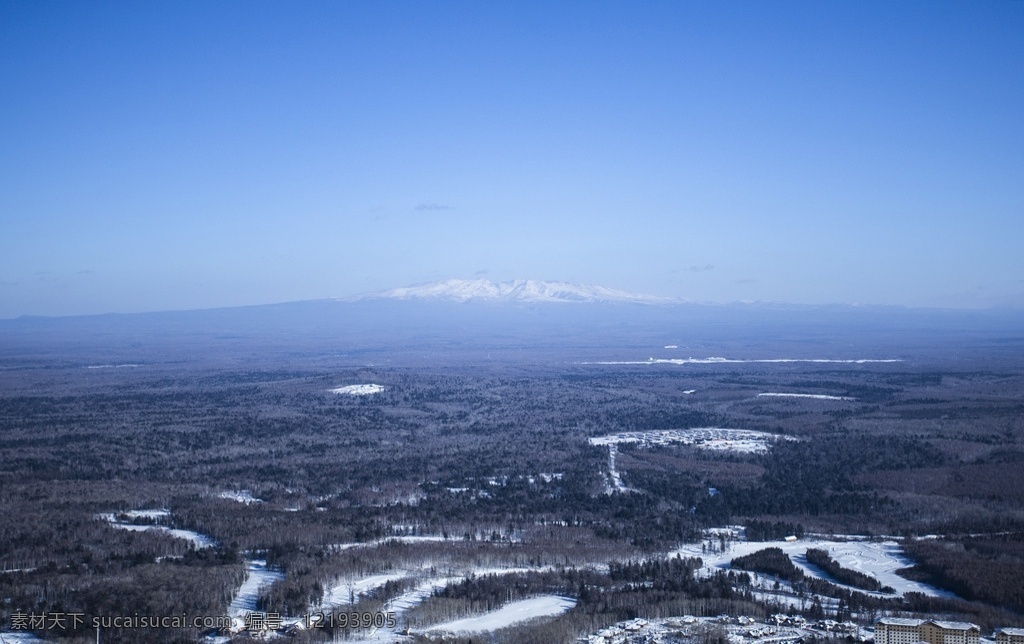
[[516, 291]]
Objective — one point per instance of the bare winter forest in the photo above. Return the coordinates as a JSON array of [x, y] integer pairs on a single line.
[[145, 478]]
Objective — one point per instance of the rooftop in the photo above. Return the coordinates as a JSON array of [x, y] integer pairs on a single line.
[[899, 621], [956, 626]]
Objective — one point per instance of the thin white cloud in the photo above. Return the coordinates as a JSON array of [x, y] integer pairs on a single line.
[[430, 206]]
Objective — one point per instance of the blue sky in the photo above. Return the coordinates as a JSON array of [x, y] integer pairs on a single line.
[[174, 155]]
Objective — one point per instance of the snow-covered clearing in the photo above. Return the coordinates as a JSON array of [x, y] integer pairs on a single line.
[[259, 576], [615, 480], [197, 539], [358, 390], [148, 514], [340, 594], [715, 438], [242, 496], [343, 591], [815, 396], [348, 591], [509, 614], [421, 538], [879, 559], [717, 360]]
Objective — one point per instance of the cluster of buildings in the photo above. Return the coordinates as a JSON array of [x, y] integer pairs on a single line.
[[895, 630]]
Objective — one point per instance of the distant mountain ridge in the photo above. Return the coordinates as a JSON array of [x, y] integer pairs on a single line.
[[459, 290]]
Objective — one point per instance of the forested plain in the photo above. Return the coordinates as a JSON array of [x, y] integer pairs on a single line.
[[490, 457]]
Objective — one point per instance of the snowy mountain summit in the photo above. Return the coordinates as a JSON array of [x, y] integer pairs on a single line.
[[515, 291]]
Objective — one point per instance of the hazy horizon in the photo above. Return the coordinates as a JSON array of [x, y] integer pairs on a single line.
[[188, 156]]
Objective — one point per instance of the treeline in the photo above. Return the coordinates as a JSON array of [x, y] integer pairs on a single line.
[[770, 561], [758, 530], [650, 588], [823, 560], [988, 569]]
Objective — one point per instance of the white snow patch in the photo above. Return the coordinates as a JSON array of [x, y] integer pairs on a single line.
[[815, 396], [258, 577], [714, 438], [242, 496], [509, 614], [879, 559], [148, 514], [346, 592], [421, 538], [616, 484], [718, 360], [358, 390], [197, 539]]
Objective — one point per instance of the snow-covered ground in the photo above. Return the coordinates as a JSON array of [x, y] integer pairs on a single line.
[[815, 396], [358, 390], [197, 539], [614, 478], [717, 360], [343, 591], [715, 438], [420, 538], [242, 496], [879, 559], [151, 515], [348, 591], [512, 613], [258, 576]]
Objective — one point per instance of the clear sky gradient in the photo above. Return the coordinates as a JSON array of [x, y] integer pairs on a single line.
[[174, 155]]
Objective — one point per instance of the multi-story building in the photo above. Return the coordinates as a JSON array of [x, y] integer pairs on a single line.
[[894, 630], [936, 632], [1010, 636]]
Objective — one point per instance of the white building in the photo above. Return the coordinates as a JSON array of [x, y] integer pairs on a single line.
[[894, 630], [1010, 636]]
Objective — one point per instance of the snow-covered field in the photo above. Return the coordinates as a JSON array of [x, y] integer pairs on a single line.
[[717, 360], [715, 438], [343, 591], [242, 496], [198, 540], [815, 396], [420, 538], [879, 559], [512, 613], [160, 513], [615, 479], [258, 576], [358, 390]]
